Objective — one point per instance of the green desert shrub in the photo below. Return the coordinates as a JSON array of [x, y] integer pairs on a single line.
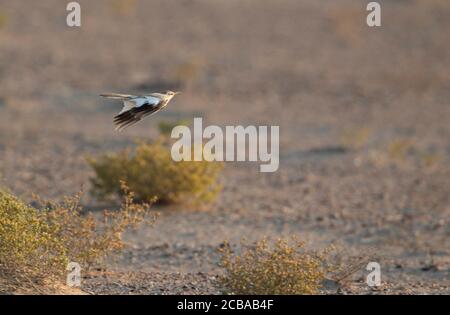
[[3, 18], [188, 72], [279, 268], [26, 238], [123, 7], [355, 138], [37, 243], [165, 127], [150, 172]]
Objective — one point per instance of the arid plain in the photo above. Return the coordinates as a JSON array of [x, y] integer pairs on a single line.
[[364, 116]]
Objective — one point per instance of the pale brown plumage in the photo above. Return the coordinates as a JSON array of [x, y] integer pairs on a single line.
[[137, 107]]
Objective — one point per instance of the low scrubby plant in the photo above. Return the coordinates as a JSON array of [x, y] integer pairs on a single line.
[[27, 241], [3, 19], [399, 149], [123, 7], [404, 152], [165, 127], [284, 267], [150, 172], [37, 243], [355, 138]]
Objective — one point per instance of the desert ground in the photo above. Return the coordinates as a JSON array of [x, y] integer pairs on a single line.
[[364, 116]]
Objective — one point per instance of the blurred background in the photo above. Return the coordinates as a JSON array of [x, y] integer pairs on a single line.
[[363, 112]]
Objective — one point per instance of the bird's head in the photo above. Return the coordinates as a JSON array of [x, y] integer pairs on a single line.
[[171, 93]]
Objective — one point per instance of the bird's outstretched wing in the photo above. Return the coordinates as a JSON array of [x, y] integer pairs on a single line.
[[117, 96], [135, 109]]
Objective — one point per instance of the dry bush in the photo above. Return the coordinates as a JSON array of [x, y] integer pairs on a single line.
[[283, 268], [430, 160], [87, 240], [124, 7], [36, 244], [150, 172], [27, 242], [165, 127], [404, 152], [398, 149], [348, 24], [3, 19], [355, 138], [188, 72]]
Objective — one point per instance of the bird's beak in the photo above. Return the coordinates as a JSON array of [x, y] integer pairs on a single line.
[[177, 93]]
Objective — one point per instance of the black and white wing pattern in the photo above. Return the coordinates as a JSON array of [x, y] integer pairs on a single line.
[[136, 108]]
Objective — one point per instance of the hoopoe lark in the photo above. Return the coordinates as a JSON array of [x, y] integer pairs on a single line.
[[137, 107]]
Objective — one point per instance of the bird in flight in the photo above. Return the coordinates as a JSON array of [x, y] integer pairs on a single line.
[[137, 107]]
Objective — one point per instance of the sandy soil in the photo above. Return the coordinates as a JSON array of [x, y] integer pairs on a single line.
[[347, 99]]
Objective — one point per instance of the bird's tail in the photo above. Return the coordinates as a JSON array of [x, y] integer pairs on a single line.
[[117, 96]]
